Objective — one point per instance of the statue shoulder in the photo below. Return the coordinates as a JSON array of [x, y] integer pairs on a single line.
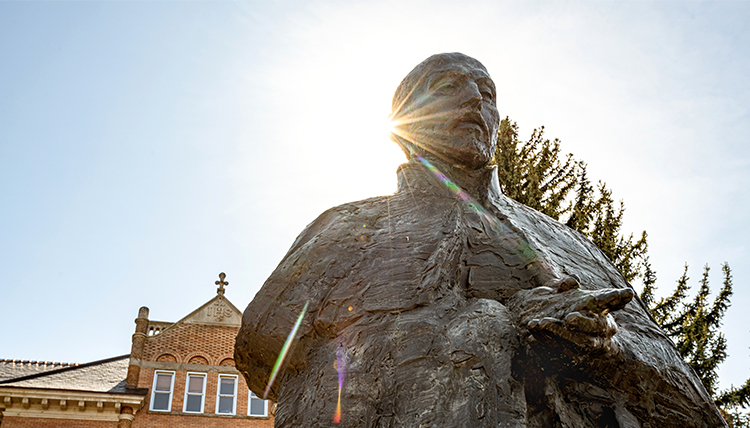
[[334, 222], [570, 246], [531, 217]]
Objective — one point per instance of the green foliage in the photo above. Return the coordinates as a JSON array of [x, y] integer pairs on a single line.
[[694, 325], [601, 220], [736, 396], [735, 418], [531, 172], [731, 401], [535, 173], [649, 279]]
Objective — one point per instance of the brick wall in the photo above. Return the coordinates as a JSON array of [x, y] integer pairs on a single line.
[[194, 344], [184, 341], [18, 422], [164, 421]]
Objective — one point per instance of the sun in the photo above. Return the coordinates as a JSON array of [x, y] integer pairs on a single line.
[[390, 126]]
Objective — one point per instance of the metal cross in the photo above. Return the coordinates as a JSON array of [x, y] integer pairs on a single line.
[[221, 283]]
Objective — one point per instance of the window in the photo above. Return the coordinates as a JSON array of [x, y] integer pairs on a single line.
[[226, 394], [161, 395], [195, 389], [256, 406]]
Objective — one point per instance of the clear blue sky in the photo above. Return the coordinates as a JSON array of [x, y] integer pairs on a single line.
[[147, 146]]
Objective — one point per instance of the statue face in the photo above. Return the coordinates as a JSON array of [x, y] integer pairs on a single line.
[[454, 115]]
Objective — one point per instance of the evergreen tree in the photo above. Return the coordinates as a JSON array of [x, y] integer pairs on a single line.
[[532, 172], [694, 327], [535, 173]]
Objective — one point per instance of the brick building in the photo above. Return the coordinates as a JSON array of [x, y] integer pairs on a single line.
[[178, 374]]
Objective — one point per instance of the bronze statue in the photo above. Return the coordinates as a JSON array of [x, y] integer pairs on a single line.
[[448, 304]]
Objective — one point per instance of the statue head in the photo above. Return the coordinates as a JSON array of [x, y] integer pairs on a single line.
[[446, 107]]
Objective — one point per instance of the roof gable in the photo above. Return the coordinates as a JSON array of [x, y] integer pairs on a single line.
[[217, 311]]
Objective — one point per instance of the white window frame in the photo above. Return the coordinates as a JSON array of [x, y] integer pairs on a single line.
[[218, 393], [202, 394], [153, 390], [250, 396]]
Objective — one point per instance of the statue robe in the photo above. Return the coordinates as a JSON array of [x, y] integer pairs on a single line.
[[410, 310]]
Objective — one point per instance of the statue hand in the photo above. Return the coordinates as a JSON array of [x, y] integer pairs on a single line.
[[579, 317]]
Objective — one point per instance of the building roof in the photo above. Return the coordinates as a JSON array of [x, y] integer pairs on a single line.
[[10, 369], [98, 376]]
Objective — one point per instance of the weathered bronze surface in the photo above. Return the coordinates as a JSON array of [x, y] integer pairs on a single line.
[[448, 304]]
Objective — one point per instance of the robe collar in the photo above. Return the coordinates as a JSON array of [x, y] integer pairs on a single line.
[[438, 178]]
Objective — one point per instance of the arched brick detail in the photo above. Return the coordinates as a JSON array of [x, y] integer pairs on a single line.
[[222, 360], [167, 358], [198, 359], [185, 340]]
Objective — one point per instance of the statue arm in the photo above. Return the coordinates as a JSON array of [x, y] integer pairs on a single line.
[[601, 338], [598, 333], [303, 278]]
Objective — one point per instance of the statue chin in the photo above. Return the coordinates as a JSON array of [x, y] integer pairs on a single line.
[[470, 155]]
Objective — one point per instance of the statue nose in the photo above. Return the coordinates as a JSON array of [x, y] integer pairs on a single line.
[[471, 95]]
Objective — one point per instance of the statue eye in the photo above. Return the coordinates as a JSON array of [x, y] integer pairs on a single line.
[[446, 86], [487, 94]]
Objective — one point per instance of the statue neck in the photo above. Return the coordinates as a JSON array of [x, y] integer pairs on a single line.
[[433, 175]]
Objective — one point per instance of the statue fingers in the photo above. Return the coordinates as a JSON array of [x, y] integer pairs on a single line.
[[546, 323], [565, 284], [547, 326], [597, 325], [550, 329], [606, 301]]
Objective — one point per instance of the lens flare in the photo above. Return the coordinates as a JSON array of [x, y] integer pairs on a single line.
[[284, 350], [337, 416], [341, 368], [456, 189]]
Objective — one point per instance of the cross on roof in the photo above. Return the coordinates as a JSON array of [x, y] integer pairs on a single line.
[[221, 283]]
